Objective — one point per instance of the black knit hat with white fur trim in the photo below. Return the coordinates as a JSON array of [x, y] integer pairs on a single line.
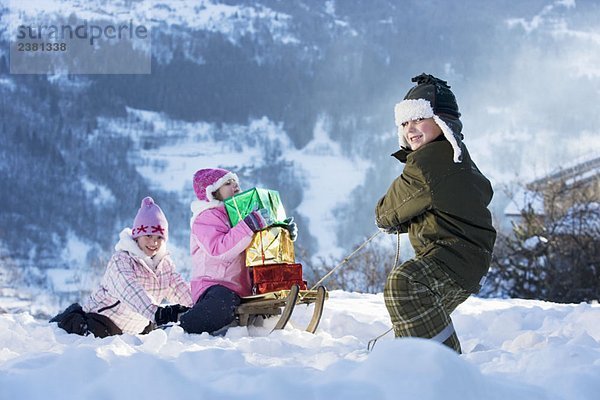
[[431, 98]]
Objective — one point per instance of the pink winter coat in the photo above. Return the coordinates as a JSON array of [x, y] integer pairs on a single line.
[[218, 253], [134, 285]]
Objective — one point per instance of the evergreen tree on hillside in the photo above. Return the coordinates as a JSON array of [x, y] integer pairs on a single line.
[[552, 256]]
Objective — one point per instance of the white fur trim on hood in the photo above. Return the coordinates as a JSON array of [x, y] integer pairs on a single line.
[[408, 110], [210, 189], [197, 206], [128, 244]]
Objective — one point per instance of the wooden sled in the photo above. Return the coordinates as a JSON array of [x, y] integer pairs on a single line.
[[282, 303]]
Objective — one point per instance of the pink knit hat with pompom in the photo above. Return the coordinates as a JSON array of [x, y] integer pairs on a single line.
[[207, 181], [150, 220]]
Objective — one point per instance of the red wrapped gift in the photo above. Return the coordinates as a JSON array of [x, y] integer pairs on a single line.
[[270, 278], [277, 273], [266, 287]]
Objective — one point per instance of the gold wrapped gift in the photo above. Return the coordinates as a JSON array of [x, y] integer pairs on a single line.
[[270, 246]]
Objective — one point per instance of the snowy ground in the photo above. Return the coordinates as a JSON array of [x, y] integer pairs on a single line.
[[514, 349]]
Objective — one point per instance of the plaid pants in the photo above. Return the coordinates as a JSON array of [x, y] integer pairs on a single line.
[[420, 296]]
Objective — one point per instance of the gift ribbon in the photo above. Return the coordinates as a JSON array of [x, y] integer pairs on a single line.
[[262, 244], [262, 248], [237, 209]]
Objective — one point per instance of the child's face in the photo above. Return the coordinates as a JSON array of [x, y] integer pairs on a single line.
[[150, 244], [227, 190], [419, 132]]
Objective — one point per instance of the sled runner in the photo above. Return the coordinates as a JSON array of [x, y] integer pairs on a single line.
[[282, 303]]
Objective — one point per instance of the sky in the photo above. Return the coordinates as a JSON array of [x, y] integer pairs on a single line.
[[512, 349], [530, 111]]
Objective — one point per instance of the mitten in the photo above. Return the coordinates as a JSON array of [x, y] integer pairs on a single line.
[[391, 231], [167, 314], [291, 227], [259, 219]]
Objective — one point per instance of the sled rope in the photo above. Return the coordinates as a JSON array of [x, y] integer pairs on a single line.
[[371, 343], [397, 258], [345, 260]]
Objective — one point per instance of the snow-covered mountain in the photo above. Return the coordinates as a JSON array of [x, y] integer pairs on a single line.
[[294, 96]]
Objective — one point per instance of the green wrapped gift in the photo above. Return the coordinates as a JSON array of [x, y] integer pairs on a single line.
[[244, 203]]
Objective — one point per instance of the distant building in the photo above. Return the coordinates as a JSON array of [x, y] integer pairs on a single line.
[[553, 250], [561, 193]]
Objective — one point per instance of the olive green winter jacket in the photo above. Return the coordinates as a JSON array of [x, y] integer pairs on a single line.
[[443, 207]]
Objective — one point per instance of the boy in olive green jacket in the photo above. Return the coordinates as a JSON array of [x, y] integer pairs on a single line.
[[441, 200]]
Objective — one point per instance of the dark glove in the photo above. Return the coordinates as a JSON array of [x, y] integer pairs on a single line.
[[391, 231], [291, 227], [259, 219], [167, 314]]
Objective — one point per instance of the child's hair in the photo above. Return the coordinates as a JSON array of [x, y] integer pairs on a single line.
[[150, 220]]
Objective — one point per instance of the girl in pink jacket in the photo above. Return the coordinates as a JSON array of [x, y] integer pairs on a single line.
[[219, 274], [139, 275]]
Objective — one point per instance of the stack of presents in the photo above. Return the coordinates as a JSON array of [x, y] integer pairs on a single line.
[[271, 252]]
